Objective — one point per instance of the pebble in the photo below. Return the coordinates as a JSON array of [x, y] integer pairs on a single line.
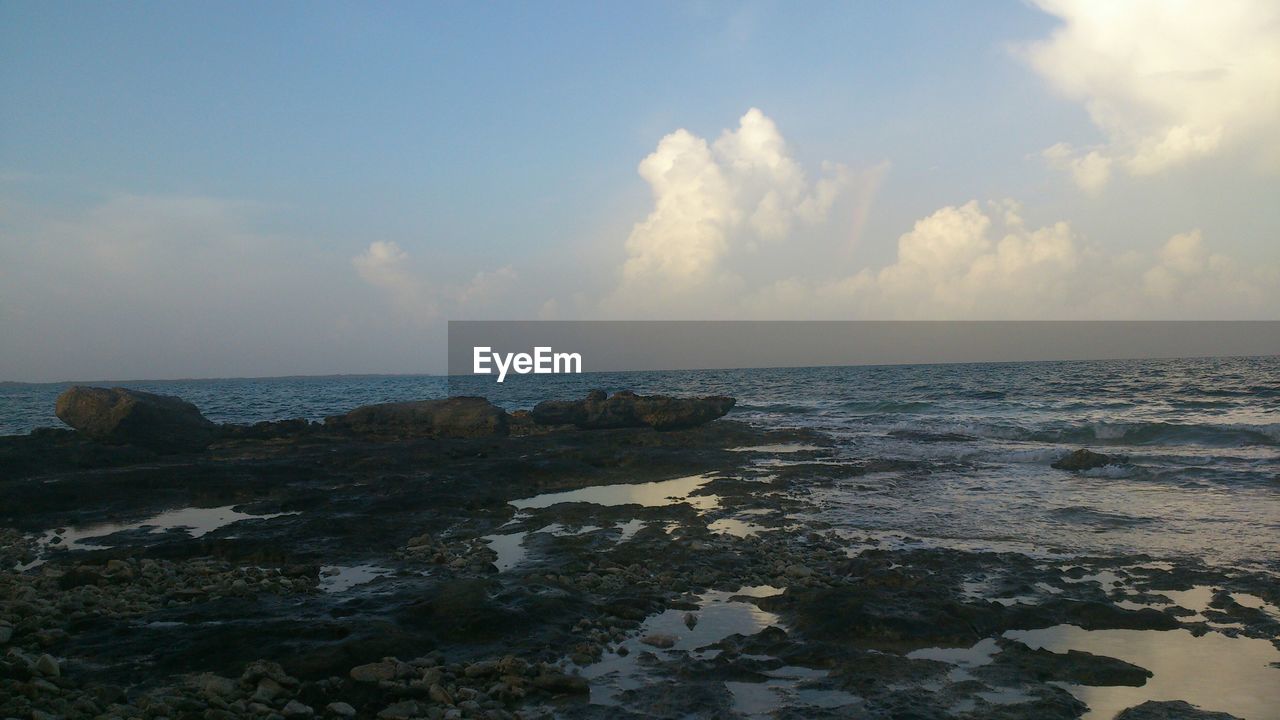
[[341, 709], [374, 672], [47, 666], [295, 709], [659, 640]]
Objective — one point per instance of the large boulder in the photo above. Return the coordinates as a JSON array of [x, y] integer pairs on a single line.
[[460, 417], [627, 409], [121, 416]]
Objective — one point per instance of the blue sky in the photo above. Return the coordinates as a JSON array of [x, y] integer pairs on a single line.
[[351, 175]]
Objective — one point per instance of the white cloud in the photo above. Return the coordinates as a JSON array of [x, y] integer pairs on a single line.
[[984, 262], [388, 267], [714, 201], [1090, 170], [964, 262], [1166, 82]]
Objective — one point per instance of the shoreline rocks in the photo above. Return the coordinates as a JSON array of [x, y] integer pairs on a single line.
[[625, 409], [120, 416], [457, 417]]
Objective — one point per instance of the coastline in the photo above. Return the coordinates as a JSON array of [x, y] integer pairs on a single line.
[[553, 572]]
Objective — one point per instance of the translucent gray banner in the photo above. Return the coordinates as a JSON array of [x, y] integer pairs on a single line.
[[618, 346]]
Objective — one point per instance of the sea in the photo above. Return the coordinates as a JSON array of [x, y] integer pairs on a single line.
[[1198, 441]]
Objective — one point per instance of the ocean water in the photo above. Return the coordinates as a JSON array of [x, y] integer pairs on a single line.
[[971, 443]]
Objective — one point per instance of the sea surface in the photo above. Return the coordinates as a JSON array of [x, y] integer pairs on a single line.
[[1200, 440]]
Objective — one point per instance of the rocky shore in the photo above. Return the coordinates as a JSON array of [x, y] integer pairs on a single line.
[[619, 556]]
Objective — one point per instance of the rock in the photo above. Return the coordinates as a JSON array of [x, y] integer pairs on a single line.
[[438, 694], [1170, 710], [1084, 460], [6, 634], [215, 686], [481, 669], [403, 710], [295, 709], [459, 417], [341, 709], [1074, 666], [268, 690], [690, 620], [120, 416], [627, 409], [659, 640], [47, 666], [374, 672], [560, 683], [798, 571]]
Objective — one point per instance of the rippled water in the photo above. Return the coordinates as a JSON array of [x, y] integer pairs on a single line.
[[968, 446]]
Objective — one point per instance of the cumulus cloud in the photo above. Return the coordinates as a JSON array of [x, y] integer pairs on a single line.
[[984, 261], [962, 262], [1166, 82], [715, 201]]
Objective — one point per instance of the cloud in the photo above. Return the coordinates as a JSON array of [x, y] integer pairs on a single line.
[[1167, 83], [388, 267], [985, 262], [965, 262], [714, 202], [1189, 279]]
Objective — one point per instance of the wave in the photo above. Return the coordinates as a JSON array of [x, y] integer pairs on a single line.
[[779, 408], [1160, 433], [1098, 433], [887, 406]]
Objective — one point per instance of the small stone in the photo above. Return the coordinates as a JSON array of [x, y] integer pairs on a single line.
[[47, 666], [690, 620], [558, 682], [482, 668], [659, 640], [403, 710], [6, 634], [374, 672], [295, 709], [268, 690], [341, 709], [798, 571], [438, 694]]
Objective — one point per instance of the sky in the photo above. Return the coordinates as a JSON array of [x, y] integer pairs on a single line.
[[252, 189]]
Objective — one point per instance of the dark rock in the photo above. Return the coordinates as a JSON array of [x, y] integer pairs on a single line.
[[267, 430], [627, 409], [457, 417], [1074, 666], [1171, 710], [121, 416], [1084, 460], [559, 683]]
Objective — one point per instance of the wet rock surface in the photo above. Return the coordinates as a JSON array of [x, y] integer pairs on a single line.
[[1171, 710], [578, 574]]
